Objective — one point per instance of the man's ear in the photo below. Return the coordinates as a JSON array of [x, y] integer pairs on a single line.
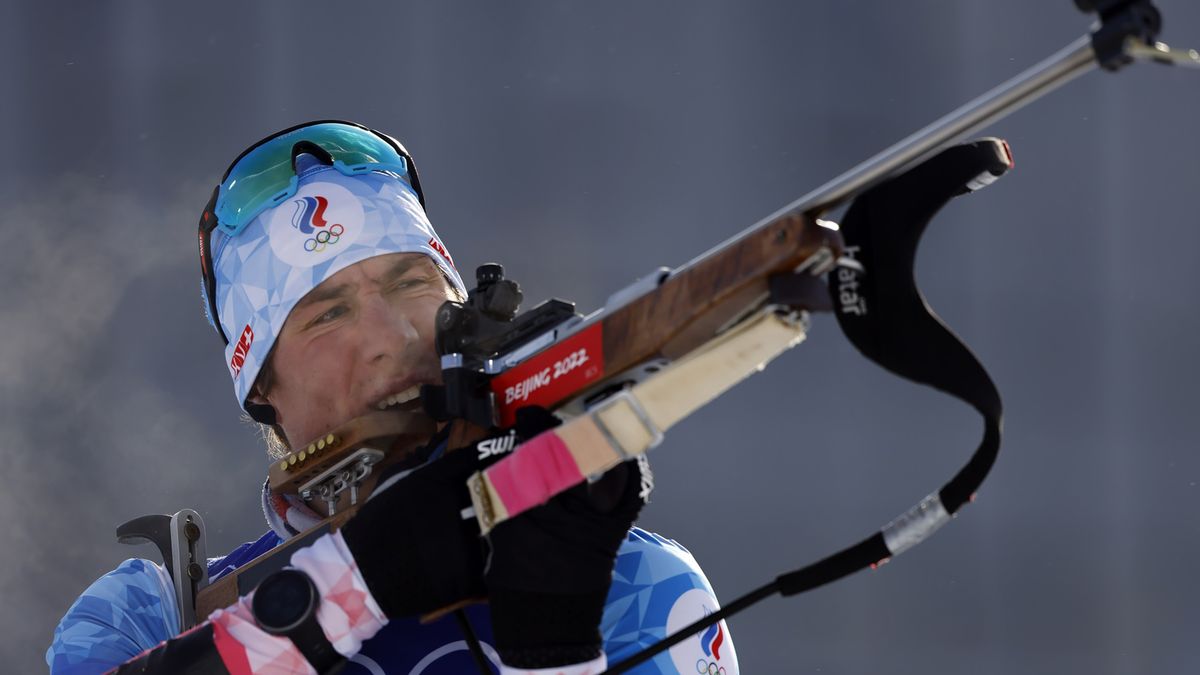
[[256, 396], [259, 407]]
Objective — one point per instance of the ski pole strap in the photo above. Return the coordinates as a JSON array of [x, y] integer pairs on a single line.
[[884, 315], [629, 423]]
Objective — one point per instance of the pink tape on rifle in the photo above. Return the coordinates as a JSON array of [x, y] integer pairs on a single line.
[[536, 471]]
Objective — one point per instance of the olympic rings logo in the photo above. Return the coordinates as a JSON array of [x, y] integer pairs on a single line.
[[324, 238], [706, 667]]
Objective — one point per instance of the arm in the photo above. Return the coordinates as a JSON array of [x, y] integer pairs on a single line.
[[122, 614], [128, 617], [658, 587], [550, 568]]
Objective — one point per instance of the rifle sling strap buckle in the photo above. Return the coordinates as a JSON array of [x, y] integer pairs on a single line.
[[606, 409]]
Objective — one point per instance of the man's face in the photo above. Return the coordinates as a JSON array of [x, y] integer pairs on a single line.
[[362, 336]]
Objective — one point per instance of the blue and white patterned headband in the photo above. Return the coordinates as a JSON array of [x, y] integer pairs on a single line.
[[333, 222]]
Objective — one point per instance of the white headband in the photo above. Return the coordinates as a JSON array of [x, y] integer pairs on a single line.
[[332, 222]]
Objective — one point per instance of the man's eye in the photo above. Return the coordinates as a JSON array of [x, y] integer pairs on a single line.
[[407, 284], [329, 315]]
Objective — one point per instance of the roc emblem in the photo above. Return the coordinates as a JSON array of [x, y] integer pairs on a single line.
[[710, 651], [322, 220], [308, 217]]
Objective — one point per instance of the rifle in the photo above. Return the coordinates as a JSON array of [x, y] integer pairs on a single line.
[[700, 328]]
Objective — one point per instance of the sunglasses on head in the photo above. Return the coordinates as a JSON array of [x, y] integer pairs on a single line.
[[264, 176]]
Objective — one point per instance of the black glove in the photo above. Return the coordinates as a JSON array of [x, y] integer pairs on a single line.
[[412, 546], [549, 568]]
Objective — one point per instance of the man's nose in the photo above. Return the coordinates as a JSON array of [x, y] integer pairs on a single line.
[[387, 331]]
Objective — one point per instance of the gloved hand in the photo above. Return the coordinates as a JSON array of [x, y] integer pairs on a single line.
[[549, 569], [413, 548]]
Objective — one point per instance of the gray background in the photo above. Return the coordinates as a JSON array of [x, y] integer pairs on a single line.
[[582, 145]]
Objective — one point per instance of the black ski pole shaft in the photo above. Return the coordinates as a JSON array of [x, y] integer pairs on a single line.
[[481, 660]]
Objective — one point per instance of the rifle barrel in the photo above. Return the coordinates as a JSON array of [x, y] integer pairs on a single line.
[[1065, 65], [1062, 67]]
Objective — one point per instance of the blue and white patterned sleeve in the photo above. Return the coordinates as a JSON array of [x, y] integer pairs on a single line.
[[658, 588], [122, 614]]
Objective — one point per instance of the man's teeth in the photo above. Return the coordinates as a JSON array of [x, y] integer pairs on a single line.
[[403, 397]]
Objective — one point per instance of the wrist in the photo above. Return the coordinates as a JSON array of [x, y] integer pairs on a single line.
[[285, 605], [348, 613]]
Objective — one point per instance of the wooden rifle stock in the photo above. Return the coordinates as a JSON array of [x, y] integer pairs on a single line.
[[687, 308]]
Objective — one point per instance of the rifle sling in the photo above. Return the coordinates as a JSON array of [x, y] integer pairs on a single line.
[[885, 316]]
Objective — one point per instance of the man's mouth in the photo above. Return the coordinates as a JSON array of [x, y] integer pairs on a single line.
[[409, 399]]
